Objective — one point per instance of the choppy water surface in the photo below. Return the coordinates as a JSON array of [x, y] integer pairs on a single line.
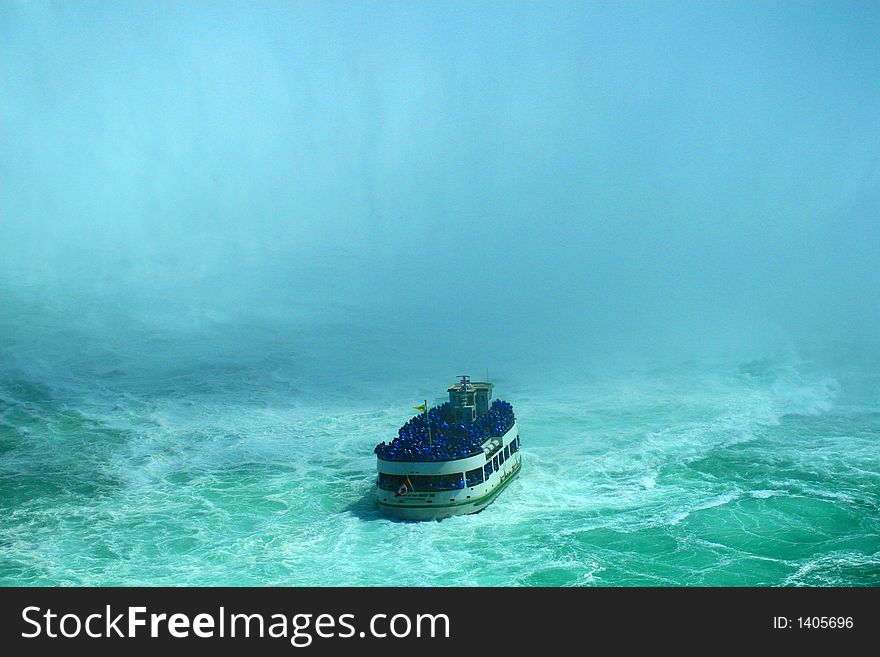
[[240, 241], [149, 462]]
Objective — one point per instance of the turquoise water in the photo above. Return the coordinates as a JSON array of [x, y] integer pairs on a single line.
[[193, 458], [239, 241]]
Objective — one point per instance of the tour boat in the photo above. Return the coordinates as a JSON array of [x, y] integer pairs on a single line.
[[452, 459]]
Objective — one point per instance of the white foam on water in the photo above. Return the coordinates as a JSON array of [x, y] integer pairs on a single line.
[[720, 500], [256, 486]]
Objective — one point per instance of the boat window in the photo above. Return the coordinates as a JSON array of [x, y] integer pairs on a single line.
[[488, 469], [500, 458], [513, 446], [391, 482], [431, 483], [506, 453], [474, 476], [495, 462]]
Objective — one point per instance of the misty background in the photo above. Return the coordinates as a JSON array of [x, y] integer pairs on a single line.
[[422, 187]]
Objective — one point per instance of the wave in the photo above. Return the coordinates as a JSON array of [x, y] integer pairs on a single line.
[[627, 479]]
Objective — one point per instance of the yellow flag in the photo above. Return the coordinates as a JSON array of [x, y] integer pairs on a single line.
[[421, 408]]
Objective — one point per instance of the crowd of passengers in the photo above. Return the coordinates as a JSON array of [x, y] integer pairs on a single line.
[[435, 436]]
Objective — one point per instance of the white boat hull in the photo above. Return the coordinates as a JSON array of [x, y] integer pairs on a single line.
[[415, 505]]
